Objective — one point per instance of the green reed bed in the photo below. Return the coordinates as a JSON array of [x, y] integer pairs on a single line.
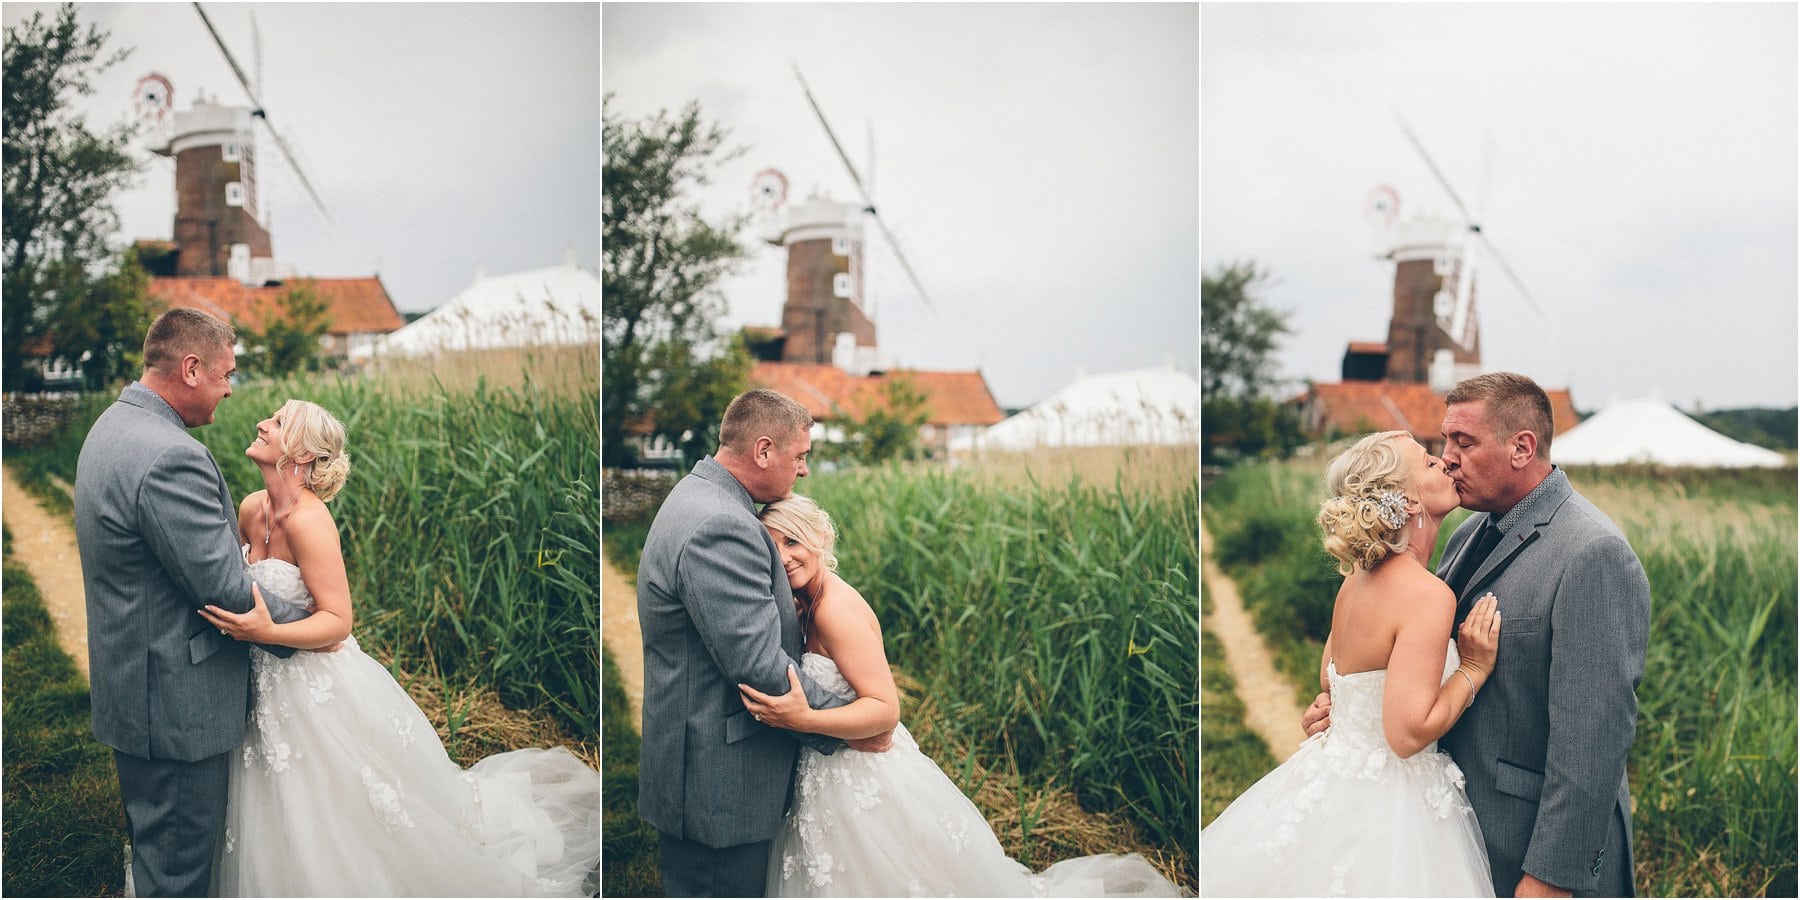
[[1713, 769], [1054, 624]]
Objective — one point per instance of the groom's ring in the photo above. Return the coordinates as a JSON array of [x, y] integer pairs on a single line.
[[221, 631], [756, 717]]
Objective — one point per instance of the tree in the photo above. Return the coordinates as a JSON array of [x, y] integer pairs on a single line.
[[662, 354], [889, 430], [692, 393], [1238, 337], [101, 325], [59, 180], [288, 341]]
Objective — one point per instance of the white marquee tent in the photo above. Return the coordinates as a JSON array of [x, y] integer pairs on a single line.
[[555, 306], [1143, 406], [1652, 431]]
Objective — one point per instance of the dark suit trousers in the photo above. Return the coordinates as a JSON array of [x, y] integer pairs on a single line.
[[175, 813], [691, 869]]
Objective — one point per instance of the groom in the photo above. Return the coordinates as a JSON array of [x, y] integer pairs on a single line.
[[158, 537], [1544, 745], [716, 611]]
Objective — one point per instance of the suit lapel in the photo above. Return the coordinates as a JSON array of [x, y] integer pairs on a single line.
[[1539, 509]]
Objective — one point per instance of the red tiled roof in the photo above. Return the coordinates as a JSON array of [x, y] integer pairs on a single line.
[[1386, 405], [1368, 347], [951, 398], [355, 304]]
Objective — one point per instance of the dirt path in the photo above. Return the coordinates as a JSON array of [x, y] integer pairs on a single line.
[[1269, 705], [44, 544], [619, 627]]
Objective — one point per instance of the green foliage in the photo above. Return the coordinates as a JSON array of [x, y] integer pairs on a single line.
[[1775, 429], [63, 286], [692, 392], [662, 263], [40, 466], [887, 431], [1238, 333], [288, 341], [629, 861], [64, 834]]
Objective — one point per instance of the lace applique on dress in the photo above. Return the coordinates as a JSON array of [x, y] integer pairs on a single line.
[[386, 800]]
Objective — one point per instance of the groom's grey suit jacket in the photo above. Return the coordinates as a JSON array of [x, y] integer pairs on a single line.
[[1544, 746], [159, 539], [716, 610]]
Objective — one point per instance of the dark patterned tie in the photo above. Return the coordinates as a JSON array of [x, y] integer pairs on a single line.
[[1472, 559]]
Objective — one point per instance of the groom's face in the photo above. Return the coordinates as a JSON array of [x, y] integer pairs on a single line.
[[1478, 460], [785, 463]]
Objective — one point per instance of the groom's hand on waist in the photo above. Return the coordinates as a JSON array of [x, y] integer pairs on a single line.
[[877, 744], [1317, 717]]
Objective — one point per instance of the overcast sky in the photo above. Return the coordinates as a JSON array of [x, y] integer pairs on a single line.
[[1643, 180], [442, 137], [1038, 163]]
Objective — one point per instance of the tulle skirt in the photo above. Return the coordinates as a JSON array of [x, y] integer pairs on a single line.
[[342, 788], [1339, 820], [893, 825]]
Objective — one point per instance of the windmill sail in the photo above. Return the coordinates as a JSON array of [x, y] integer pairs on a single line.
[[260, 113], [868, 202]]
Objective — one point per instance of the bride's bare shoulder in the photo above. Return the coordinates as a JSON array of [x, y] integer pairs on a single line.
[[841, 605]]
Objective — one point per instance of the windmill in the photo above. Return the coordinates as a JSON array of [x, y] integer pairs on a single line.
[[1434, 336], [826, 316]]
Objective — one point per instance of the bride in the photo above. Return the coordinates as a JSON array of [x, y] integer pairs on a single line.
[[885, 824], [1367, 807], [342, 787]]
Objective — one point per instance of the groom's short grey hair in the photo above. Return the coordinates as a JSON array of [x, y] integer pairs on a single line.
[[181, 331], [759, 413], [1513, 403]]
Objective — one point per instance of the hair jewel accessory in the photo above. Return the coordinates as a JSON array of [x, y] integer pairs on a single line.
[[1391, 507]]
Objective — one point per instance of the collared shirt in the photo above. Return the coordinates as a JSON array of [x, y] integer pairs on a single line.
[[1505, 523]]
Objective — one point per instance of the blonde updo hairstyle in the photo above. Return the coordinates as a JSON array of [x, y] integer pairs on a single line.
[[308, 428], [1356, 534]]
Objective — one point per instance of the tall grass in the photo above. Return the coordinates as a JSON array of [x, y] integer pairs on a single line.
[[1055, 624], [1713, 769]]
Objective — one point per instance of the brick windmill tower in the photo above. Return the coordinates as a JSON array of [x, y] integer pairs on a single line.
[[825, 317], [218, 225]]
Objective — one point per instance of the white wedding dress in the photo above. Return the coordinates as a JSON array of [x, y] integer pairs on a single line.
[[342, 788], [893, 825], [1344, 816]]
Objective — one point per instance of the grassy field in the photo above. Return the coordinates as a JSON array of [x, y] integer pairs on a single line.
[[1042, 622], [1713, 768], [470, 522], [64, 827]]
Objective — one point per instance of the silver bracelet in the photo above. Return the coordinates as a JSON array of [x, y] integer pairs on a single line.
[[1472, 689]]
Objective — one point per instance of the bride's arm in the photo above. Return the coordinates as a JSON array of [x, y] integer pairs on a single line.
[[851, 635], [314, 539], [1418, 704]]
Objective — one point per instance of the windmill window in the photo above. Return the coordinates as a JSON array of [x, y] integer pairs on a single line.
[[840, 284], [840, 246], [230, 151], [234, 193]]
